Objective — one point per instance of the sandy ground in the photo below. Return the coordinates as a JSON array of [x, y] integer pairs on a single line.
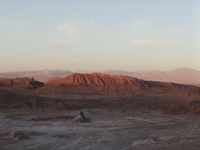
[[109, 130]]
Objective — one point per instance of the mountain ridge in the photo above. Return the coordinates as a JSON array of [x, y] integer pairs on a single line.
[[179, 75], [98, 83]]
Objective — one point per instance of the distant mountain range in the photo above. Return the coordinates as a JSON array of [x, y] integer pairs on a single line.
[[180, 75], [40, 75]]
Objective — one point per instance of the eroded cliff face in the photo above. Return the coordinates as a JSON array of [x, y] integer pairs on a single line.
[[97, 83], [97, 80]]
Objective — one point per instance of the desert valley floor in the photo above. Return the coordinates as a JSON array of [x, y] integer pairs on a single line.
[[121, 113], [109, 129]]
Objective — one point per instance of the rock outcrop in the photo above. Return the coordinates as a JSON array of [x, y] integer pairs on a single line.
[[29, 83], [97, 83], [96, 79]]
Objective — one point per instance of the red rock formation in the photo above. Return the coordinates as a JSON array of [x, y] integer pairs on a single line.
[[117, 84], [96, 80], [94, 83]]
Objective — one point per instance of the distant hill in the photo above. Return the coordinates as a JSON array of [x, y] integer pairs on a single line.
[[118, 85], [180, 75], [40, 75]]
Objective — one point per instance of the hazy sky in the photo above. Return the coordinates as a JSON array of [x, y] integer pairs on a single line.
[[99, 34]]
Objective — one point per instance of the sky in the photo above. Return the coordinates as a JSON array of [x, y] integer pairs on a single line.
[[97, 35]]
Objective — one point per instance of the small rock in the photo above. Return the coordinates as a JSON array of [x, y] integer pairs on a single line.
[[16, 136]]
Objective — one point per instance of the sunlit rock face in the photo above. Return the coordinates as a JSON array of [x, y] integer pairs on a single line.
[[98, 83]]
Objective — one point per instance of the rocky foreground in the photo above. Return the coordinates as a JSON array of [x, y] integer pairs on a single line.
[[108, 130]]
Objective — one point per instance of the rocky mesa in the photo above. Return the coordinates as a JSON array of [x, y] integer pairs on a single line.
[[96, 83]]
